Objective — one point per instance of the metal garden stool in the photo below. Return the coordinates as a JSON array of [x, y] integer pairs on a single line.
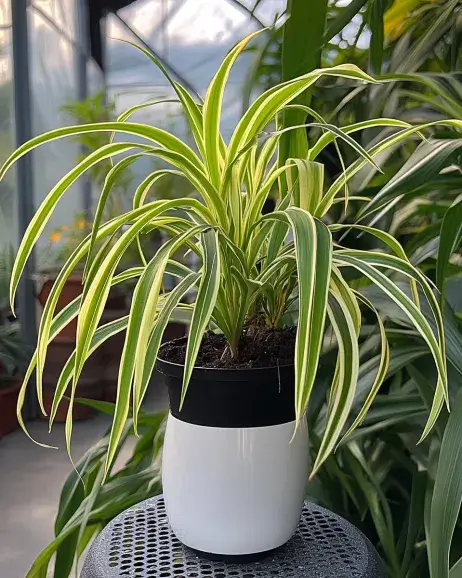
[[140, 544]]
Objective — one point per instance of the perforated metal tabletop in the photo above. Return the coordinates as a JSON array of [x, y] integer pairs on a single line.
[[140, 544]]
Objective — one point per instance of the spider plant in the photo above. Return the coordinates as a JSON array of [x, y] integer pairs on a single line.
[[251, 266]]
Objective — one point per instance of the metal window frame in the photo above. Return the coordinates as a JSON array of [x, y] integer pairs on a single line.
[[24, 173], [26, 301]]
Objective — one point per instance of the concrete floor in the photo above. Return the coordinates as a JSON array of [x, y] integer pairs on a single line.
[[31, 479]]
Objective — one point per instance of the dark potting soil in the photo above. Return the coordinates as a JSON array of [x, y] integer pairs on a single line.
[[260, 346]]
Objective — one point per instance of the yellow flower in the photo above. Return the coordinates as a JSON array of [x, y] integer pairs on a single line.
[[80, 224], [55, 236]]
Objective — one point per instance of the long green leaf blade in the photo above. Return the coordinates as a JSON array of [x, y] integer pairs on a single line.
[[266, 106], [341, 317], [212, 111], [450, 236], [380, 375], [301, 53], [191, 108], [447, 494], [426, 162], [416, 318], [163, 317], [205, 303], [376, 11], [142, 313], [313, 250], [41, 217]]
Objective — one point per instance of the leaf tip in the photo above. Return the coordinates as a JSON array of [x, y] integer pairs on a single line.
[[12, 296], [314, 470]]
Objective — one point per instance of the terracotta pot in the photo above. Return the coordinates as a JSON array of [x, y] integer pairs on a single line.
[[90, 383], [99, 378], [8, 400], [111, 354], [111, 351], [71, 290]]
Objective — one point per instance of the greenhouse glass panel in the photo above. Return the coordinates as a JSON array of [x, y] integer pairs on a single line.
[[8, 187], [61, 13], [191, 37], [53, 85]]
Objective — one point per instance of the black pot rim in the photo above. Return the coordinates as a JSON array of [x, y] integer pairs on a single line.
[[232, 398], [216, 373]]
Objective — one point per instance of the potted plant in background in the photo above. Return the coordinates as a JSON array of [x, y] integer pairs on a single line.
[[97, 108], [235, 458], [12, 355], [100, 382], [63, 242]]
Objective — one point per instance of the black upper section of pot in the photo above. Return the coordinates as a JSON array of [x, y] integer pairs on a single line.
[[232, 397]]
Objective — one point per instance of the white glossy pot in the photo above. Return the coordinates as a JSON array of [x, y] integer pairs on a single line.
[[234, 480], [234, 491]]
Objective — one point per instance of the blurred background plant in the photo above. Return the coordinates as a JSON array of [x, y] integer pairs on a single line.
[[405, 496], [86, 505], [63, 241], [12, 354], [66, 238], [95, 108]]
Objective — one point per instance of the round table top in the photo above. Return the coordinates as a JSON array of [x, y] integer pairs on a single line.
[[140, 544]]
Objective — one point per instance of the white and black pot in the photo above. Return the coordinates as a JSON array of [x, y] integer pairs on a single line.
[[233, 478]]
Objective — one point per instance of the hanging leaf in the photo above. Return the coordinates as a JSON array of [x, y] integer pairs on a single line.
[[450, 236], [447, 494]]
